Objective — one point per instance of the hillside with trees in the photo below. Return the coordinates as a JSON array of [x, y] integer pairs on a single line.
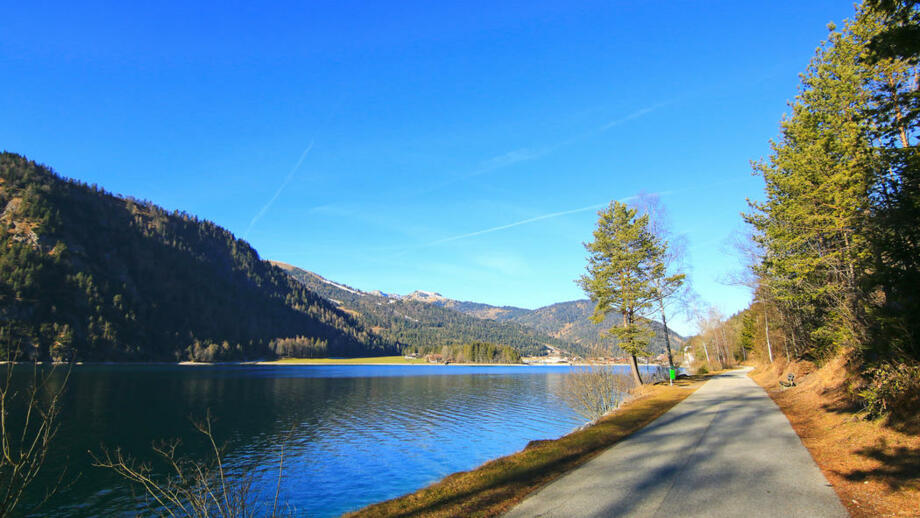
[[435, 321], [419, 325], [476, 352], [486, 311], [570, 321], [834, 260], [87, 275]]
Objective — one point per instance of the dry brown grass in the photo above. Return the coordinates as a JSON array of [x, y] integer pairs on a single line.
[[498, 485], [873, 466]]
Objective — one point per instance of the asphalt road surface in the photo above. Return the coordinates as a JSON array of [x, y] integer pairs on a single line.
[[727, 450]]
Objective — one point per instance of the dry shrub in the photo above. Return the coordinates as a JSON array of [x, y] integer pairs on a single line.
[[593, 391], [893, 389]]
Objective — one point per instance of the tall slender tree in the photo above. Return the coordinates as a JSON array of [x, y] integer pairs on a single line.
[[670, 285], [624, 260]]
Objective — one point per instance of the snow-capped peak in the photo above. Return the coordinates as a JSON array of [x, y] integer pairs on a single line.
[[425, 296]]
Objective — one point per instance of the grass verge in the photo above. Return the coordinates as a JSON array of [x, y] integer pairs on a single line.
[[873, 466], [498, 485]]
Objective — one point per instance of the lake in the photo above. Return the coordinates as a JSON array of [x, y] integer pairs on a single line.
[[358, 434]]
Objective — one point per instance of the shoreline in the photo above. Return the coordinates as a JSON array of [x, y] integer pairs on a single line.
[[497, 485], [276, 363], [323, 362], [307, 362]]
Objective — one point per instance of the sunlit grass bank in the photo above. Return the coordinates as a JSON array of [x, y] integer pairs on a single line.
[[498, 485]]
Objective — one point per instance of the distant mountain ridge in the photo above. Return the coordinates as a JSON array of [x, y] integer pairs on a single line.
[[422, 319], [485, 311], [566, 322], [570, 321]]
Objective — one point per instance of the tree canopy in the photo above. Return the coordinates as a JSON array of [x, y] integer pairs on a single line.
[[625, 266], [839, 228]]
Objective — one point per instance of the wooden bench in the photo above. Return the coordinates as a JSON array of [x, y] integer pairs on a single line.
[[789, 383]]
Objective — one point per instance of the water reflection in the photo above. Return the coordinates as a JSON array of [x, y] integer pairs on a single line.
[[361, 433]]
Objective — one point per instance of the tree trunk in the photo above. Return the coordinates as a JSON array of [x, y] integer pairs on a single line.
[[766, 324], [726, 350], [635, 370], [795, 344], [627, 320], [899, 116], [667, 339]]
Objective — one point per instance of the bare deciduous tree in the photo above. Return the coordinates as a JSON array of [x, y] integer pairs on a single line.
[[594, 390], [671, 287], [751, 255]]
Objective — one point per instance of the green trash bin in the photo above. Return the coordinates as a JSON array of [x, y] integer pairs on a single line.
[[672, 372]]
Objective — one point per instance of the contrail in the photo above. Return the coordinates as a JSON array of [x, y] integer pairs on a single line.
[[634, 115], [565, 212], [516, 224], [524, 222], [286, 181]]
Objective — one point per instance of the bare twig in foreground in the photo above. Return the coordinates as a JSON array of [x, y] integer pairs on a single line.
[[191, 487], [28, 427]]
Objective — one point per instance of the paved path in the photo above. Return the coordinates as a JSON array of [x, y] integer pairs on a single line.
[[727, 450]]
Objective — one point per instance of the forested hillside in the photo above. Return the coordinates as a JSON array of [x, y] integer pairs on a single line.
[[569, 321], [835, 255], [478, 310], [441, 321], [476, 352], [91, 276], [423, 325]]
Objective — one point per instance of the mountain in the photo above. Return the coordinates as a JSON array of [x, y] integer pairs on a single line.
[[475, 309], [422, 296], [425, 319], [569, 321], [484, 311], [88, 275], [566, 321]]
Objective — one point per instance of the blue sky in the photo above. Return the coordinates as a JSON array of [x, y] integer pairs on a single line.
[[458, 147]]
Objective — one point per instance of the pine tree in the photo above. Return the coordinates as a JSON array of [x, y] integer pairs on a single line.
[[895, 114], [813, 223], [624, 262]]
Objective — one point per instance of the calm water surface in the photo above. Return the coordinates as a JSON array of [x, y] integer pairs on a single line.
[[361, 433]]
